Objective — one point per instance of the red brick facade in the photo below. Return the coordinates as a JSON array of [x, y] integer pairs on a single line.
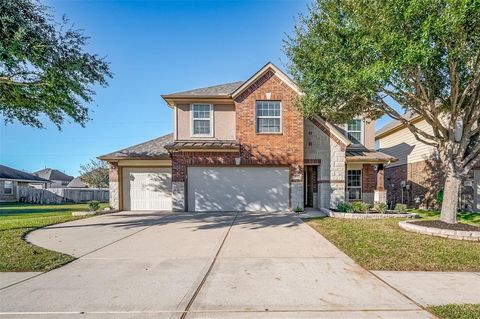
[[113, 172], [284, 148], [181, 160], [368, 178]]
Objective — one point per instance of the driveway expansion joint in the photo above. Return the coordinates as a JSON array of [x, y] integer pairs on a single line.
[[192, 299]]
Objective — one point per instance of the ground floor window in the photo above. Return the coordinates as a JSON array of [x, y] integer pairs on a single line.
[[354, 184], [8, 187]]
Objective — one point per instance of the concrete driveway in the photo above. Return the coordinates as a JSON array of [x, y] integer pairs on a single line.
[[200, 265]]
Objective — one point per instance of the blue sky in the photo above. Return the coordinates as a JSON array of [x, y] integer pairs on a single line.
[[154, 47]]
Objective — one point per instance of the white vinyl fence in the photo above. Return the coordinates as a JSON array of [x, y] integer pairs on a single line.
[[61, 195]]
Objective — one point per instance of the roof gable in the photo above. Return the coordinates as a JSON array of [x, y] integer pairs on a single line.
[[394, 125], [268, 68]]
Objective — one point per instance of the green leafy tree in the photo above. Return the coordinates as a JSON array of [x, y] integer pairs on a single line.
[[95, 173], [44, 68], [362, 57]]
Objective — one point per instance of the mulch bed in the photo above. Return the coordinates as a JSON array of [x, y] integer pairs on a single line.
[[443, 225]]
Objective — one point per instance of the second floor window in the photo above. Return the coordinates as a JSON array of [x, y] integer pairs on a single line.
[[354, 131], [268, 117], [202, 119]]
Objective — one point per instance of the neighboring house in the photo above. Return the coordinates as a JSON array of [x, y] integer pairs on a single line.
[[77, 183], [417, 176], [11, 179], [244, 146], [58, 178]]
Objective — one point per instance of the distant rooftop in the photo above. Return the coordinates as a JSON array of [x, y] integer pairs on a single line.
[[14, 174], [395, 123], [53, 175]]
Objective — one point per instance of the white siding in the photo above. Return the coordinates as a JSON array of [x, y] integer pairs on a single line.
[[405, 147]]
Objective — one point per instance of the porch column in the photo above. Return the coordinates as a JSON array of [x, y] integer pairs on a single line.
[[113, 185], [380, 194]]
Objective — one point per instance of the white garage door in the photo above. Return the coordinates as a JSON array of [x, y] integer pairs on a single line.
[[147, 188], [238, 188]]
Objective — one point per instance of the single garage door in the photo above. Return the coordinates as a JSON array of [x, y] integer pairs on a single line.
[[238, 188], [147, 188]]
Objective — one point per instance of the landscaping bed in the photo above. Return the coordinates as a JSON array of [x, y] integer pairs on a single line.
[[371, 215], [438, 228], [443, 225], [16, 220]]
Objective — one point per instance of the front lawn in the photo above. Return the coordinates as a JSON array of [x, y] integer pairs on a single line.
[[383, 245], [467, 311], [18, 219]]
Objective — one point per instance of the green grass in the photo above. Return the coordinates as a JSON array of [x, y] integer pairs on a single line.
[[383, 245], [463, 217], [16, 220], [467, 311]]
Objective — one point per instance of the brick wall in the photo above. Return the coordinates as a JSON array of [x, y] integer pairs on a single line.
[[181, 160], [368, 178], [425, 179], [285, 148]]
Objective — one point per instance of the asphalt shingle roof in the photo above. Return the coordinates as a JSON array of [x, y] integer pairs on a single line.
[[363, 154], [222, 89], [77, 183], [394, 123], [202, 144], [153, 149], [53, 175], [11, 173]]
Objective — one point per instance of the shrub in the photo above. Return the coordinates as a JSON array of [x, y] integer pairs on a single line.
[[94, 205], [345, 207], [298, 210], [361, 207], [381, 207], [401, 208]]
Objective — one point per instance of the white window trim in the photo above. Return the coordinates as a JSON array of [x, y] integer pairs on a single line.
[[264, 117], [362, 131], [192, 119], [5, 188], [355, 187]]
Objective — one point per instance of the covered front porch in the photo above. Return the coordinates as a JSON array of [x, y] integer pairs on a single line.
[[364, 175]]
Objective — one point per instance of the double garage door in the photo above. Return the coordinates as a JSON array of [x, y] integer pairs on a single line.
[[238, 188], [209, 188]]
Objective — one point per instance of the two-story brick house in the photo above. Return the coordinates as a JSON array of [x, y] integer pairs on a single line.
[[244, 146]]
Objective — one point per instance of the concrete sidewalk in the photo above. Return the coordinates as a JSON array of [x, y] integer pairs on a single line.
[[197, 265], [430, 288]]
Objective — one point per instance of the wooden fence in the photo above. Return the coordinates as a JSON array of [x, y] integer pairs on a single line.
[[61, 195]]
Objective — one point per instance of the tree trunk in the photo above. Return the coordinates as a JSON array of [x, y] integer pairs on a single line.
[[450, 198]]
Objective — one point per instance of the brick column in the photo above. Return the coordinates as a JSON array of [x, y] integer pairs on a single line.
[[380, 194], [368, 183], [380, 185]]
